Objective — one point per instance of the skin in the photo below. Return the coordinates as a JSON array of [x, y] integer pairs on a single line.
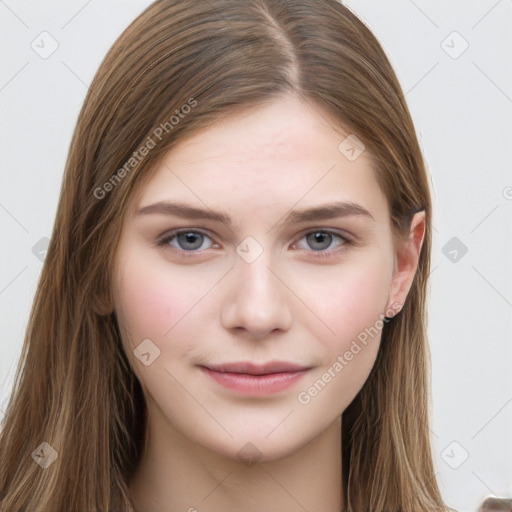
[[288, 304]]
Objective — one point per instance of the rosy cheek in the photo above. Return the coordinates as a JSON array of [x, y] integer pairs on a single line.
[[353, 302], [150, 305]]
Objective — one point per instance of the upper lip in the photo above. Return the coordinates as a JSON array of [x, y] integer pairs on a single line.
[[257, 369]]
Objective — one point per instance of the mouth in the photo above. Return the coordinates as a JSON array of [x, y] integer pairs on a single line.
[[256, 379]]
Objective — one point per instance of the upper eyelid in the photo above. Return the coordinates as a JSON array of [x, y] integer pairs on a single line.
[[339, 232]]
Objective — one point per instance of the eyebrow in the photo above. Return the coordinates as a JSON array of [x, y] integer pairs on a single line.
[[322, 212]]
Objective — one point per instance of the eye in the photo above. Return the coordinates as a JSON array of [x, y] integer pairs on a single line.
[[188, 242], [185, 240], [321, 240]]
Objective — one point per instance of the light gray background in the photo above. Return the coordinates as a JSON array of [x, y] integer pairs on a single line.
[[462, 109]]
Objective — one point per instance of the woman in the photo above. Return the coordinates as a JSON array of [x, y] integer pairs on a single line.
[[254, 370]]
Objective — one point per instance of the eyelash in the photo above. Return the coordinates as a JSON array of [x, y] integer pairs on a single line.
[[167, 237]]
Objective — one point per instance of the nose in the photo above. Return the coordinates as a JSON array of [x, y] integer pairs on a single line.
[[257, 300]]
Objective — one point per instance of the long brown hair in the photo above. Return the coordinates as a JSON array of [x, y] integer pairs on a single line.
[[181, 66]]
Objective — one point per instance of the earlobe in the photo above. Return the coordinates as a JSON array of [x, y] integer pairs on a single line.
[[406, 262]]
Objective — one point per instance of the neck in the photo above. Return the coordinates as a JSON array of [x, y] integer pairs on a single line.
[[175, 474]]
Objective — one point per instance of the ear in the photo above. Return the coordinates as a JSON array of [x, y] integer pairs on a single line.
[[406, 262]]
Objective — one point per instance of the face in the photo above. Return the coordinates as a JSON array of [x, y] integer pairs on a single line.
[[258, 323]]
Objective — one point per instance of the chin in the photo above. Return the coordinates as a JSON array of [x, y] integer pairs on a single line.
[[251, 450]]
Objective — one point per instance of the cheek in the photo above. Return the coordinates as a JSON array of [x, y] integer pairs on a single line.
[[352, 298], [351, 304], [149, 301]]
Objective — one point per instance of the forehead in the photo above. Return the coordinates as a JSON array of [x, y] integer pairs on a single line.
[[270, 158]]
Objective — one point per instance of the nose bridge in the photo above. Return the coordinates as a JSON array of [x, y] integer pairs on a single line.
[[256, 277], [257, 300], [252, 268]]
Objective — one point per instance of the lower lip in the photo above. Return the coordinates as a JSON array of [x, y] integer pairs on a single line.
[[255, 385]]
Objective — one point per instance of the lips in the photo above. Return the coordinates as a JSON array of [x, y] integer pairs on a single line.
[[250, 379], [249, 368]]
